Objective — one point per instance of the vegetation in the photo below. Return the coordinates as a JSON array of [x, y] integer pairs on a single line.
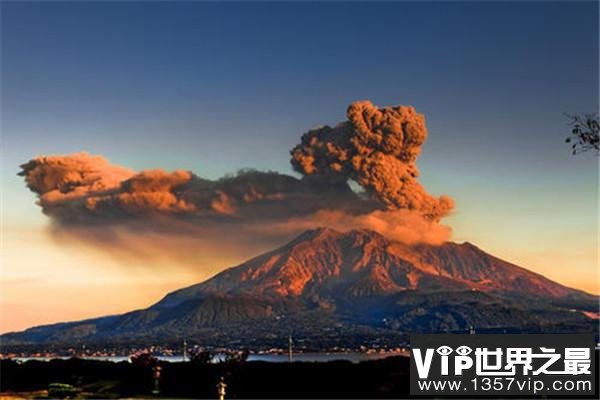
[[199, 355], [386, 378], [584, 133], [62, 391]]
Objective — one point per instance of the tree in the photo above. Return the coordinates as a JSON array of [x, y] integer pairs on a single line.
[[236, 357], [584, 133], [144, 359], [200, 356], [146, 370]]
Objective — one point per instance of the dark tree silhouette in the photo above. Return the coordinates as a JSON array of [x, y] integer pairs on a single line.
[[236, 357], [200, 356], [584, 133], [144, 359]]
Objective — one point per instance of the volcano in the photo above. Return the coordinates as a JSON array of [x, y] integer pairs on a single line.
[[335, 287]]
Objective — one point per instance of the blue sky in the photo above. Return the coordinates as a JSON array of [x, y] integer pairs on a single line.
[[215, 87], [233, 85]]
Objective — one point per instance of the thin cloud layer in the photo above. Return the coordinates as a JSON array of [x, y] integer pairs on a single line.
[[94, 201]]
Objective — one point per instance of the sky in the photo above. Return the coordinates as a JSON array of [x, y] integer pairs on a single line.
[[217, 87]]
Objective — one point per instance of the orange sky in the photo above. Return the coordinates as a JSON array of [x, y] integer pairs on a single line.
[[214, 88], [44, 281]]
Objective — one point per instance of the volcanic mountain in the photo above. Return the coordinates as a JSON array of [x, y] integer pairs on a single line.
[[340, 287]]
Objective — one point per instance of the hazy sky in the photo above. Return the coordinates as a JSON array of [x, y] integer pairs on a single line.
[[215, 87]]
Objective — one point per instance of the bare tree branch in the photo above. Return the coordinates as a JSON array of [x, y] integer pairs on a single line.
[[584, 133]]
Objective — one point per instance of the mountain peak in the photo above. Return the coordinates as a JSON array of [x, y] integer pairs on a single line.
[[326, 232], [358, 280], [316, 233], [326, 263]]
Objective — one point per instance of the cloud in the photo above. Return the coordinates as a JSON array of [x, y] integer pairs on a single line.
[[175, 215], [81, 188], [405, 226], [377, 148]]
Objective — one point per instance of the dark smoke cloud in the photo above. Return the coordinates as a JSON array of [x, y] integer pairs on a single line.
[[377, 148], [176, 214], [82, 188]]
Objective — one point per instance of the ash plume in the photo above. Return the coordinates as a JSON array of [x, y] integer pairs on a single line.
[[377, 148], [82, 188], [174, 214]]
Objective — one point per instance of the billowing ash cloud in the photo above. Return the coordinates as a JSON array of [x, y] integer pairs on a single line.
[[93, 201], [377, 148], [81, 188]]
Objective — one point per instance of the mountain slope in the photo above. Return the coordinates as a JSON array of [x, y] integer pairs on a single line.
[[363, 263], [348, 285]]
